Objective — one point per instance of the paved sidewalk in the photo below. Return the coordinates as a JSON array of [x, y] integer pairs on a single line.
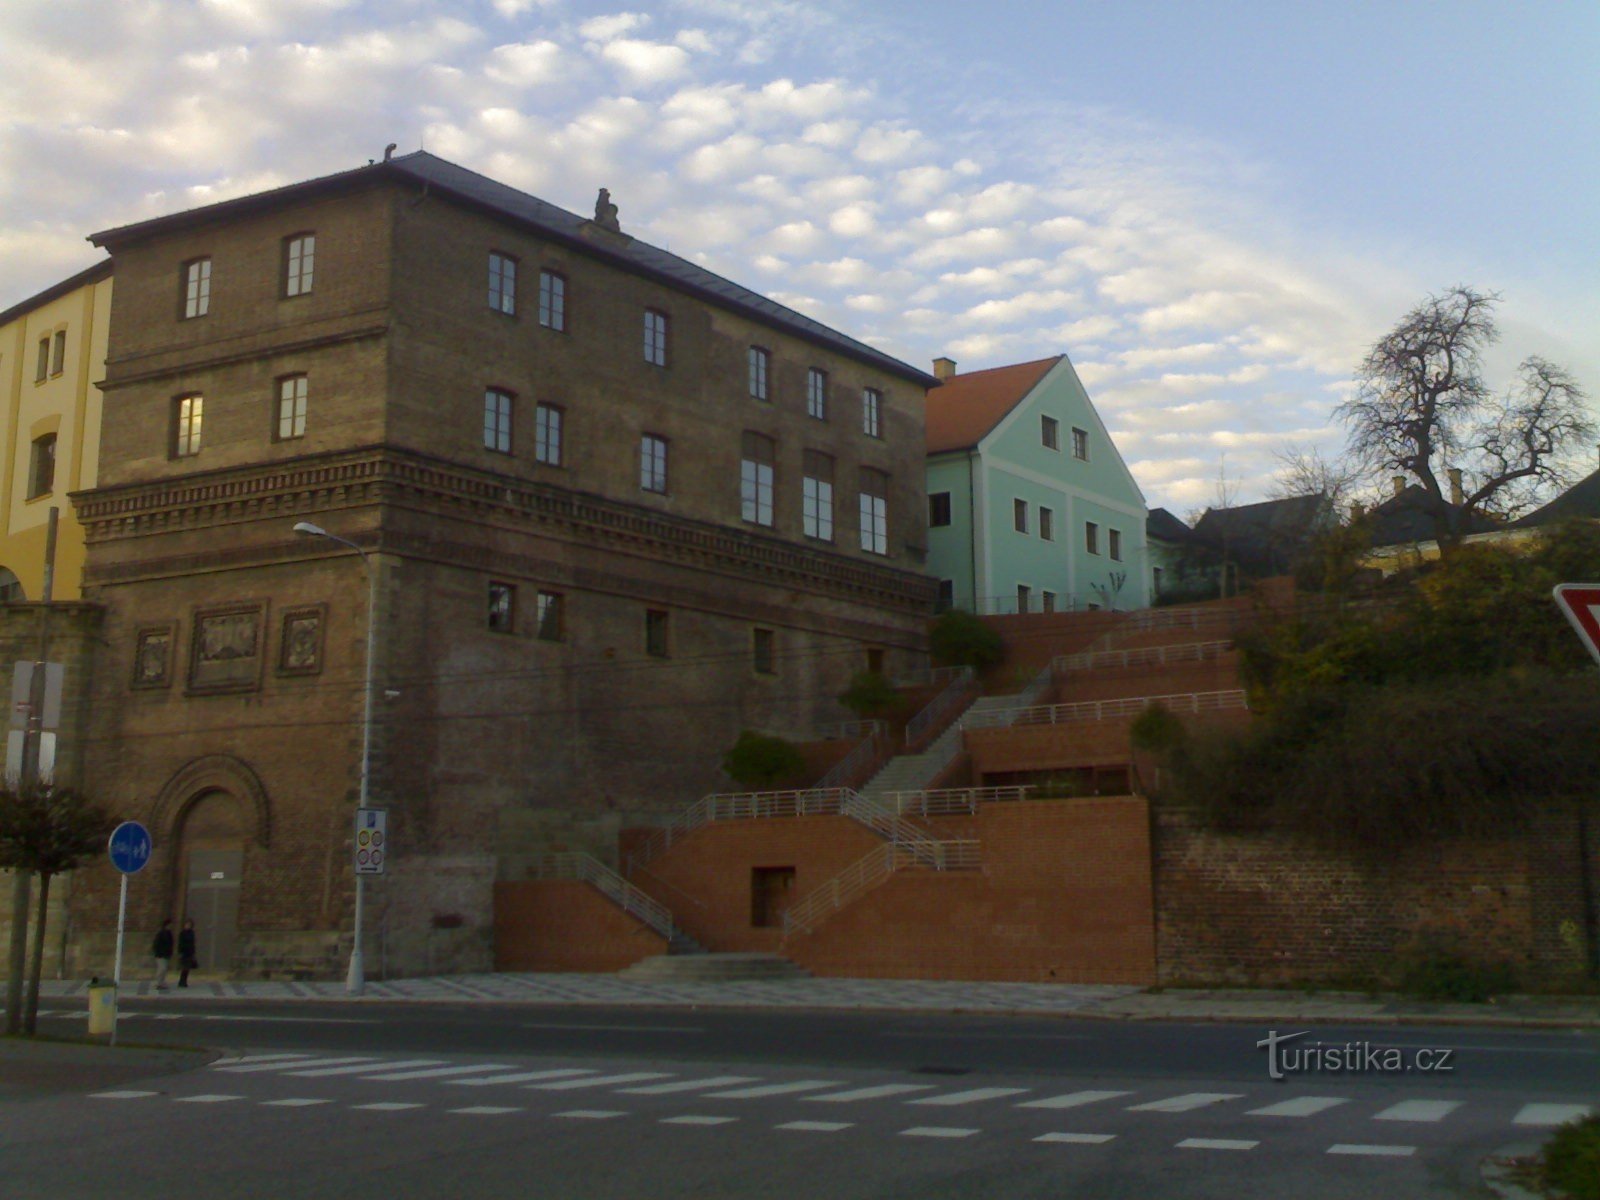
[[1081, 1000]]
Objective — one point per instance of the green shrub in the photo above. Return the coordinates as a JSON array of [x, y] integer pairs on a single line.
[[759, 760], [1572, 1159], [1156, 728], [871, 695], [959, 639], [1440, 974]]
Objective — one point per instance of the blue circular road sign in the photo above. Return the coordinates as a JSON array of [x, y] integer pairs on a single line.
[[130, 847]]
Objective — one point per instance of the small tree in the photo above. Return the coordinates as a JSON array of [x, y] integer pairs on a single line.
[[960, 639], [47, 829], [759, 760], [871, 695]]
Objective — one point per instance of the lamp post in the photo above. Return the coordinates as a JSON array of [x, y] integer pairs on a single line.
[[355, 980]]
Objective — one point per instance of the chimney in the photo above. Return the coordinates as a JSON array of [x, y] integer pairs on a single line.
[[1399, 483], [1455, 486], [944, 368]]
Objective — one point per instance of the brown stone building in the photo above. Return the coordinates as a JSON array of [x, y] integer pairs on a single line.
[[616, 508]]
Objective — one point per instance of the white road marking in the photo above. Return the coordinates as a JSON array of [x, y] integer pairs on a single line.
[[121, 1095], [817, 1126], [1419, 1110], [1300, 1106], [694, 1120], [1373, 1151], [973, 1096], [360, 1067], [1550, 1114], [521, 1077], [252, 1068], [686, 1085], [257, 1058], [590, 1114], [1072, 1099], [568, 1085], [870, 1093], [1076, 1139], [210, 1098], [937, 1131], [774, 1089], [483, 1110], [387, 1106], [1186, 1102], [293, 1102], [437, 1072], [1216, 1144]]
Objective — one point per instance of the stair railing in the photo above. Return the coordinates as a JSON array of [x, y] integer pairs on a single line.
[[1097, 710], [587, 869], [940, 707]]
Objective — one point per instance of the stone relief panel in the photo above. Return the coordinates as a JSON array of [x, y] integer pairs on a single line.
[[225, 652]]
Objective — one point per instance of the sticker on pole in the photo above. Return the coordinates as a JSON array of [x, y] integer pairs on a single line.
[[372, 837], [1581, 604], [130, 847]]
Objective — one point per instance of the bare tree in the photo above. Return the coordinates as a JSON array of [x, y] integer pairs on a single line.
[[1303, 471], [1422, 407]]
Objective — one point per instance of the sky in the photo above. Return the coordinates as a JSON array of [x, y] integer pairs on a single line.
[[1213, 208]]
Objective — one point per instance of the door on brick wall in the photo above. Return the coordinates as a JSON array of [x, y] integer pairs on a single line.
[[771, 889], [211, 859]]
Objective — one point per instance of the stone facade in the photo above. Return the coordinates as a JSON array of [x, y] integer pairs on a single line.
[[232, 689]]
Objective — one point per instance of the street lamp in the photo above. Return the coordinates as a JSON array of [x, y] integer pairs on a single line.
[[355, 980]]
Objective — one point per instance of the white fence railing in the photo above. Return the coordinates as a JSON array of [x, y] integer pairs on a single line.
[[736, 806], [941, 706], [844, 772], [867, 872], [1143, 656], [944, 802], [588, 869], [1097, 710]]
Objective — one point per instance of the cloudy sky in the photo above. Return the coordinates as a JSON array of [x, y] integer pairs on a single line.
[[1213, 208]]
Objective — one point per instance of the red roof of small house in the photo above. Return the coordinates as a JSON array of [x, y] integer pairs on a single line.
[[965, 408]]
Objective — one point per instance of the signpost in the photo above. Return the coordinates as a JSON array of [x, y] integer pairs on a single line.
[[371, 852], [1580, 604], [130, 851]]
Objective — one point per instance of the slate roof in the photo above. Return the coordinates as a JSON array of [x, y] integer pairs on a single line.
[[1263, 537], [966, 409], [1164, 527], [1404, 519], [1582, 499], [501, 200]]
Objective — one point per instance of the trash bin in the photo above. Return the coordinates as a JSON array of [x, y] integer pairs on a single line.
[[102, 1008]]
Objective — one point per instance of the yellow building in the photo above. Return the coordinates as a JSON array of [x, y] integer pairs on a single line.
[[52, 355]]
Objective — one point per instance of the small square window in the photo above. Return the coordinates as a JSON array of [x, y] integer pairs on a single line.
[[938, 509], [653, 464], [760, 363], [1091, 537], [817, 393], [655, 633], [1114, 544], [1047, 524], [502, 607], [291, 407], [42, 466], [503, 283], [761, 643], [58, 358], [299, 262], [553, 300], [547, 435], [872, 412], [1019, 515], [1050, 433], [1080, 444], [655, 337], [196, 288], [497, 407], [552, 616], [188, 413]]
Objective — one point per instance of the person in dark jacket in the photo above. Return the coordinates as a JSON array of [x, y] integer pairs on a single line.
[[161, 951], [186, 950]]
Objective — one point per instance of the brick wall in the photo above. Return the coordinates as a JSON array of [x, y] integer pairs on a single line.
[[564, 925]]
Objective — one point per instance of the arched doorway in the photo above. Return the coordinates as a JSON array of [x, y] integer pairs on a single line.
[[211, 842]]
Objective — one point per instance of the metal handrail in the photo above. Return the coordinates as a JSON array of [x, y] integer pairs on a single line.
[[850, 729], [939, 707], [929, 675], [733, 806], [1095, 710], [587, 869], [1143, 656], [959, 854], [847, 768], [949, 801]]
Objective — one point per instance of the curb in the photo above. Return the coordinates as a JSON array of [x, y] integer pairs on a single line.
[[1498, 1169]]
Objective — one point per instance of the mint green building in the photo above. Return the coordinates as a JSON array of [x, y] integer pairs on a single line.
[[1030, 506]]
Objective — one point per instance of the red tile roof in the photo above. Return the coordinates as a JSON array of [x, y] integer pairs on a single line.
[[965, 408]]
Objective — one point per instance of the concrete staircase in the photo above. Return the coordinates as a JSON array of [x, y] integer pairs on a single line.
[[713, 968], [914, 772]]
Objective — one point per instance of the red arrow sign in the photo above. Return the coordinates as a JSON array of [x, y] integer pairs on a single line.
[[1581, 604]]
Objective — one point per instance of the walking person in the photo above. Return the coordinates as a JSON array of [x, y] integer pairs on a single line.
[[161, 951], [186, 952]]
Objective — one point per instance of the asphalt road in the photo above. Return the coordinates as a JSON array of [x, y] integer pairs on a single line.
[[375, 1100]]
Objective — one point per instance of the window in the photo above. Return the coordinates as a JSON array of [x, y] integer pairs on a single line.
[[653, 464], [874, 511], [196, 288], [58, 358], [291, 407], [1024, 597], [817, 393], [11, 587], [547, 435], [1080, 444], [43, 370], [1091, 537], [42, 466], [1114, 544], [947, 596], [1019, 515], [872, 412], [939, 508], [497, 420], [503, 283], [655, 633], [502, 608], [187, 414], [299, 257], [1047, 602], [761, 641], [655, 337], [1155, 581], [1047, 524], [817, 496], [552, 625], [760, 368], [553, 301], [756, 479], [1050, 433]]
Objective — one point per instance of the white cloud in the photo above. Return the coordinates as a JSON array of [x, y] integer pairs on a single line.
[[525, 64], [608, 28], [882, 144], [646, 62], [1023, 304], [853, 220]]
